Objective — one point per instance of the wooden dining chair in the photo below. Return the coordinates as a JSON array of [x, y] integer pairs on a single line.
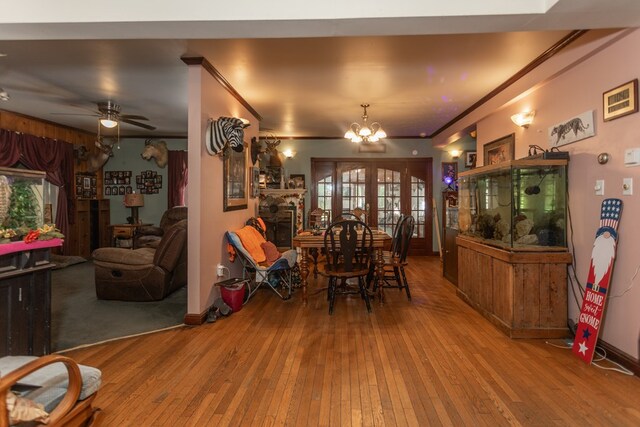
[[396, 259], [348, 246], [318, 219]]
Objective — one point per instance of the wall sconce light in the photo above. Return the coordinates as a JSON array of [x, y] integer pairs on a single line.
[[524, 118], [455, 153], [288, 153]]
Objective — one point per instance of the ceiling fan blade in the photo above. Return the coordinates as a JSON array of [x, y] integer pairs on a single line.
[[76, 114], [132, 117], [142, 125]]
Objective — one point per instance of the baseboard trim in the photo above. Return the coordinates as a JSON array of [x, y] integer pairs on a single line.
[[621, 357], [195, 319]]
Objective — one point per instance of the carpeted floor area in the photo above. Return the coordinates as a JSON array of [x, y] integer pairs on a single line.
[[63, 261], [79, 318]]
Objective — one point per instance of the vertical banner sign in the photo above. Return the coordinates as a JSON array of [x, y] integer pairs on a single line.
[[602, 257]]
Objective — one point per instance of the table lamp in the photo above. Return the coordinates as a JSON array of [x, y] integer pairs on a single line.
[[134, 201]]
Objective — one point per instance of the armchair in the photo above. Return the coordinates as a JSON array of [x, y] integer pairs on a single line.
[[65, 389], [144, 274], [148, 236]]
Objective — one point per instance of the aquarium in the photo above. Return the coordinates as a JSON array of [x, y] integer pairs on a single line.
[[22, 203], [517, 205]]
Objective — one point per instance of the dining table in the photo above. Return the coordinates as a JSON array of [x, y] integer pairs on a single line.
[[307, 241]]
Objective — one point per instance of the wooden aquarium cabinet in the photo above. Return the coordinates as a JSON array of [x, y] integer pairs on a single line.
[[523, 293]]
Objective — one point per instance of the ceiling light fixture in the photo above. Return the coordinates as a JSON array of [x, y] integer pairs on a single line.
[[524, 118], [110, 120], [364, 133]]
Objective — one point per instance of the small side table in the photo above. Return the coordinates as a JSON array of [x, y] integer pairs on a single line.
[[123, 234]]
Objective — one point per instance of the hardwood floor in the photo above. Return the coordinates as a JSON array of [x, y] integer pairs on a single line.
[[431, 361]]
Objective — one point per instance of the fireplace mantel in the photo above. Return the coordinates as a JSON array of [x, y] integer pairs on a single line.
[[286, 193]]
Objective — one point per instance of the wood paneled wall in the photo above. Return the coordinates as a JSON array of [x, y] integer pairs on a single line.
[[30, 125]]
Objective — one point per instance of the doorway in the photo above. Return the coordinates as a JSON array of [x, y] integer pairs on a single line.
[[384, 188]]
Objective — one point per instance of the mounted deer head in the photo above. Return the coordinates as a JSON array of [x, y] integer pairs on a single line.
[[99, 159], [274, 156]]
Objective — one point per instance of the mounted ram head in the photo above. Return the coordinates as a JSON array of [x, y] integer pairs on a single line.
[[156, 150]]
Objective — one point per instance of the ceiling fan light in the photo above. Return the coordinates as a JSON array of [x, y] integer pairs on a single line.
[[108, 123]]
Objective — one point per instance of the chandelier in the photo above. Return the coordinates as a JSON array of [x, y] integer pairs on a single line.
[[365, 133]]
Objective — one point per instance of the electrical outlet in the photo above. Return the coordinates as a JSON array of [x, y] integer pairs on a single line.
[[220, 270]]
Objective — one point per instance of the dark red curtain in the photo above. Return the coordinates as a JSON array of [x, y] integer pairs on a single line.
[[51, 156], [9, 148], [178, 177]]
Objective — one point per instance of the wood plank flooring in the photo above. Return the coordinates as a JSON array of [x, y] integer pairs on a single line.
[[432, 361]]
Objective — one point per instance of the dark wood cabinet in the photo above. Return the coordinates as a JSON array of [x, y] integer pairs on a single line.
[[25, 303], [91, 229]]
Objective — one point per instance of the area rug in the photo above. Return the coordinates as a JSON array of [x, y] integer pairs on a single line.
[[62, 261], [79, 318]]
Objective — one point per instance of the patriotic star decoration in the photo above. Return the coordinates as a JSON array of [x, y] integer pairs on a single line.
[[583, 348], [586, 334]]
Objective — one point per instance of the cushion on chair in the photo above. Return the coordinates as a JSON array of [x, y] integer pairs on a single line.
[[52, 380], [271, 252], [251, 241]]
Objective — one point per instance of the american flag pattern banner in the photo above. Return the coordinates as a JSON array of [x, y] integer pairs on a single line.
[[598, 279]]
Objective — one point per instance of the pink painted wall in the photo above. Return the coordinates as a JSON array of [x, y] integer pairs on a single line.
[[570, 92], [207, 221]]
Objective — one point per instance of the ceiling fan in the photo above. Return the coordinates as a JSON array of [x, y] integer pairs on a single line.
[[110, 117]]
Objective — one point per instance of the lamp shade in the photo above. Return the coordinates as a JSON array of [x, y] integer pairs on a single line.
[[133, 200]]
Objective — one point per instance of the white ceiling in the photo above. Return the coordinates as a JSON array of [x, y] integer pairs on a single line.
[[302, 87]]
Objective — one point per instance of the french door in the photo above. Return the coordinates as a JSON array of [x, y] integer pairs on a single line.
[[384, 188]]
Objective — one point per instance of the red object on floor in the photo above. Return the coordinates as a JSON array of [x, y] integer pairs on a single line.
[[233, 296]]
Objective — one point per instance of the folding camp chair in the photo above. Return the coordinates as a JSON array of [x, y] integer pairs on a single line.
[[272, 276]]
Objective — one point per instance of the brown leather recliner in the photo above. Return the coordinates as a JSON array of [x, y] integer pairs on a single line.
[[148, 236], [144, 274]]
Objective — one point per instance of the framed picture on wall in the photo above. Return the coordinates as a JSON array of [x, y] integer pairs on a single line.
[[470, 159], [500, 150], [235, 185], [620, 101], [255, 181], [298, 180]]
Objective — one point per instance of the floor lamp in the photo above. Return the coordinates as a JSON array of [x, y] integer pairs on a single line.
[[134, 201]]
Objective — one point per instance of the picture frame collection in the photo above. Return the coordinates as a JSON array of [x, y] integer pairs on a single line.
[[86, 185], [119, 183], [148, 182]]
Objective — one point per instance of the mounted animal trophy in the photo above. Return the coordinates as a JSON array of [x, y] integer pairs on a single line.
[[156, 150], [272, 143], [97, 160]]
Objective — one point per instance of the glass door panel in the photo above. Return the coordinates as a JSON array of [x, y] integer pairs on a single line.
[[389, 199]]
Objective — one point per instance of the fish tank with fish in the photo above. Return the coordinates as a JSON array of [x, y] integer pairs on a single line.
[[518, 205], [22, 198]]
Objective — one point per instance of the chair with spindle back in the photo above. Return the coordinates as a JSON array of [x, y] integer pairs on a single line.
[[348, 246]]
